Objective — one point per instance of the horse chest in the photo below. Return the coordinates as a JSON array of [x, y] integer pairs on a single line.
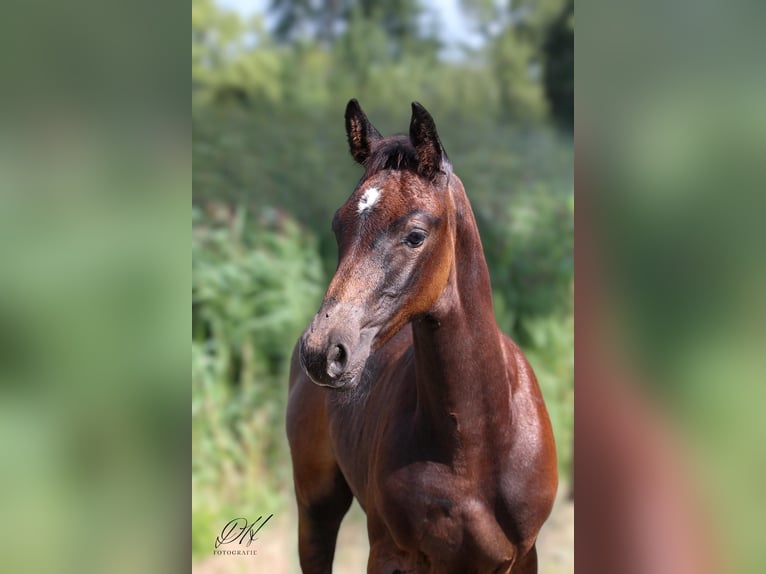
[[430, 510]]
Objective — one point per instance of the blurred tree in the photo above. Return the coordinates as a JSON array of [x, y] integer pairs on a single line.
[[513, 62], [558, 76], [362, 48], [486, 17], [514, 35], [214, 33], [233, 60], [327, 20], [305, 18], [400, 21], [532, 18]]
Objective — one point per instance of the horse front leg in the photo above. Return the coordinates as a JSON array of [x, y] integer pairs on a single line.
[[321, 492], [318, 524], [528, 564], [385, 557]]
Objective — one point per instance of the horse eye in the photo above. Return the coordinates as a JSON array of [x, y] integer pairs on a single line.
[[415, 238]]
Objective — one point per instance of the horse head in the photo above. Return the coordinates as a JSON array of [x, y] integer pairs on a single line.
[[395, 235]]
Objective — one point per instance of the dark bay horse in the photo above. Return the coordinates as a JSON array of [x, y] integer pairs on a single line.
[[403, 391]]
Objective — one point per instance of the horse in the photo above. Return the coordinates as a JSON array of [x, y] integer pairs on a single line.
[[404, 393]]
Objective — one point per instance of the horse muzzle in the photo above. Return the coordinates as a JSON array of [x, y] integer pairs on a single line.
[[334, 348]]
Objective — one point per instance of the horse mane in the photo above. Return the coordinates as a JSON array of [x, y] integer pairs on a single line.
[[393, 152]]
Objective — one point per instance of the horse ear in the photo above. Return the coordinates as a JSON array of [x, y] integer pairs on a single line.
[[361, 133], [432, 158]]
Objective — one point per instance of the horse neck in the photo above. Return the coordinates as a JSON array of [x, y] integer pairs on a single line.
[[462, 382]]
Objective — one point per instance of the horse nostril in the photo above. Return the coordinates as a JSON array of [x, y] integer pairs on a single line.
[[337, 359]]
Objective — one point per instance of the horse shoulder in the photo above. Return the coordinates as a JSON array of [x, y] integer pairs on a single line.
[[529, 474]]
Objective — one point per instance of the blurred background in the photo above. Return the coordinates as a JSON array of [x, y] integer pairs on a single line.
[[671, 287], [270, 81]]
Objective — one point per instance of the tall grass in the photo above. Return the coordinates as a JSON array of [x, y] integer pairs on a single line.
[[255, 285]]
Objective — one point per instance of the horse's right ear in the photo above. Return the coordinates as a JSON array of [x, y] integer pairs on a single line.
[[432, 158], [361, 133]]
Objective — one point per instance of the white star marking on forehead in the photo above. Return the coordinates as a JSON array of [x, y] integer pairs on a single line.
[[369, 199]]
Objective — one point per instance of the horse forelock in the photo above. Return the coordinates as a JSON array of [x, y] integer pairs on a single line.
[[394, 152]]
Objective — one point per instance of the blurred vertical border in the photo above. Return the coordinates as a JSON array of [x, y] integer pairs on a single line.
[[671, 276], [95, 181]]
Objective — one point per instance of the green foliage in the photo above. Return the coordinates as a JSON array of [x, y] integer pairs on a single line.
[[532, 257], [248, 277]]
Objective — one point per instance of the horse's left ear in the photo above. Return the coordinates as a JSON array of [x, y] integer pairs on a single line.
[[432, 159]]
